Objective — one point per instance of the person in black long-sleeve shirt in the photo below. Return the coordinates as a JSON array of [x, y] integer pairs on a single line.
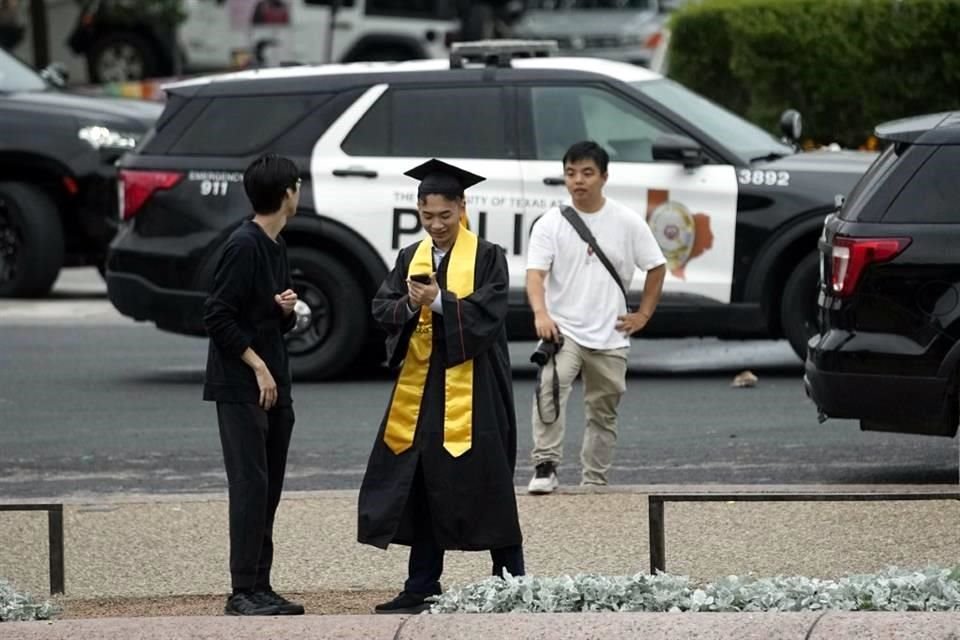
[[249, 309]]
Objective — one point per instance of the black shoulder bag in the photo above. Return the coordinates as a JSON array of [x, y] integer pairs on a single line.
[[587, 236]]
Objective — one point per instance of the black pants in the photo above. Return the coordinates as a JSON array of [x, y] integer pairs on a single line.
[[426, 565], [426, 557], [255, 444]]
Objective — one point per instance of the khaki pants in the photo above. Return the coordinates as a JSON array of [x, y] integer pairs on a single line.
[[604, 373]]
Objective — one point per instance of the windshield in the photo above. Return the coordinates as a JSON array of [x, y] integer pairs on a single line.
[[561, 5], [16, 76], [744, 138]]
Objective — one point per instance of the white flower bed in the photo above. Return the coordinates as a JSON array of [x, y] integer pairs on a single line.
[[932, 589], [17, 606]]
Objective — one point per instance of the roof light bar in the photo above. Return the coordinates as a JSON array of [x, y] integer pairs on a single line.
[[499, 53]]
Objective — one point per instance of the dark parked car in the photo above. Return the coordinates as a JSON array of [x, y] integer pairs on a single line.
[[58, 204], [888, 352]]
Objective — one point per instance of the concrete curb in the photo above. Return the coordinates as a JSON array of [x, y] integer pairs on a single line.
[[105, 499], [649, 626]]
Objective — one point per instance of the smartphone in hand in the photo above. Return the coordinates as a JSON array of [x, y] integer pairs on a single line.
[[422, 278]]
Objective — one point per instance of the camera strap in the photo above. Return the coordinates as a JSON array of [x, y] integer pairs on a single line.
[[588, 237], [556, 391]]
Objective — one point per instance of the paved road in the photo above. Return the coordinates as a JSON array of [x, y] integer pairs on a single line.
[[93, 403]]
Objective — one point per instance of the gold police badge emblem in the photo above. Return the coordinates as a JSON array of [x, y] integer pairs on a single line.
[[673, 227], [682, 235]]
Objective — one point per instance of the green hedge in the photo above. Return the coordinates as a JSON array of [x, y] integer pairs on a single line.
[[847, 65]]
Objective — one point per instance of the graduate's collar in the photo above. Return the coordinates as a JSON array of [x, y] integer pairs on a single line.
[[442, 252]]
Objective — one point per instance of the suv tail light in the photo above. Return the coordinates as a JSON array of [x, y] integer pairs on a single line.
[[136, 187], [851, 256]]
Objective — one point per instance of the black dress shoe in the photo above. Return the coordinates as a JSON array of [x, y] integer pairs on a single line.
[[405, 602], [247, 604], [284, 606]]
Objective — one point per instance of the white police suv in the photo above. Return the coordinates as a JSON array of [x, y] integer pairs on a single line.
[[737, 211]]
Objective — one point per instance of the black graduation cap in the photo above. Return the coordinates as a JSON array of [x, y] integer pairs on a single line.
[[438, 177]]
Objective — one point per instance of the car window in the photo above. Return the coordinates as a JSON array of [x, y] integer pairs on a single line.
[[879, 186], [933, 194], [564, 115], [853, 207], [16, 76], [232, 126], [457, 122], [743, 138]]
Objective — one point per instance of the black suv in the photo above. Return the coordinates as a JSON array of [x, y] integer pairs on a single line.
[[736, 210], [58, 187], [888, 351]]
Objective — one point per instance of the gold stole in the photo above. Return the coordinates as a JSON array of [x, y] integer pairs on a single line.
[[458, 387]]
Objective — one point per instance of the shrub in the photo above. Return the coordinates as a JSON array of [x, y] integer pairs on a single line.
[[15, 606], [847, 65], [932, 589]]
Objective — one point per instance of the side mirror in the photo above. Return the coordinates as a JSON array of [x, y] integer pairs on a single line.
[[677, 148], [56, 74], [791, 125]]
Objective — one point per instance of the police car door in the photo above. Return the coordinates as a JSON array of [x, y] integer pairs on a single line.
[[357, 166], [691, 212]]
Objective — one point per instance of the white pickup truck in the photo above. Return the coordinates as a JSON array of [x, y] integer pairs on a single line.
[[122, 45]]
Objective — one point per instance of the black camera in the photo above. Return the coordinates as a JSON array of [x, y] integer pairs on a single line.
[[545, 350]]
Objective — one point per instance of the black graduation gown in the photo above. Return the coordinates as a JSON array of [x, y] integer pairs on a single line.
[[471, 498]]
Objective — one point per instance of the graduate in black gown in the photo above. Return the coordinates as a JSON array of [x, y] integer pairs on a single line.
[[440, 475]]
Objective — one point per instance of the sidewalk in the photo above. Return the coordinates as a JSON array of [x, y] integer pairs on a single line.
[[163, 546], [606, 626]]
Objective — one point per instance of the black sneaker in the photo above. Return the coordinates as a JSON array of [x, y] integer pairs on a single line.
[[247, 604], [544, 479], [284, 606], [405, 602]]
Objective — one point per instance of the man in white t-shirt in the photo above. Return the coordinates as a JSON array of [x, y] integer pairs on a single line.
[[575, 298]]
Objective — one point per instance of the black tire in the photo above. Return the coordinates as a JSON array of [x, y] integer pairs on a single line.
[[31, 241], [337, 333], [798, 307], [119, 57]]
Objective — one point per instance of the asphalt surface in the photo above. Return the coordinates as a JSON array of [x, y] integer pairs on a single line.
[[92, 403]]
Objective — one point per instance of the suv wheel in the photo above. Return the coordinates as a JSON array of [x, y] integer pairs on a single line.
[[120, 57], [798, 307], [332, 324], [31, 241]]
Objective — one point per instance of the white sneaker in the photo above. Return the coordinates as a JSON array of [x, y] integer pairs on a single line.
[[544, 479]]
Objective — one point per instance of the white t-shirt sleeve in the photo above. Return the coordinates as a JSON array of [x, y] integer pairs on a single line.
[[646, 251], [542, 247]]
